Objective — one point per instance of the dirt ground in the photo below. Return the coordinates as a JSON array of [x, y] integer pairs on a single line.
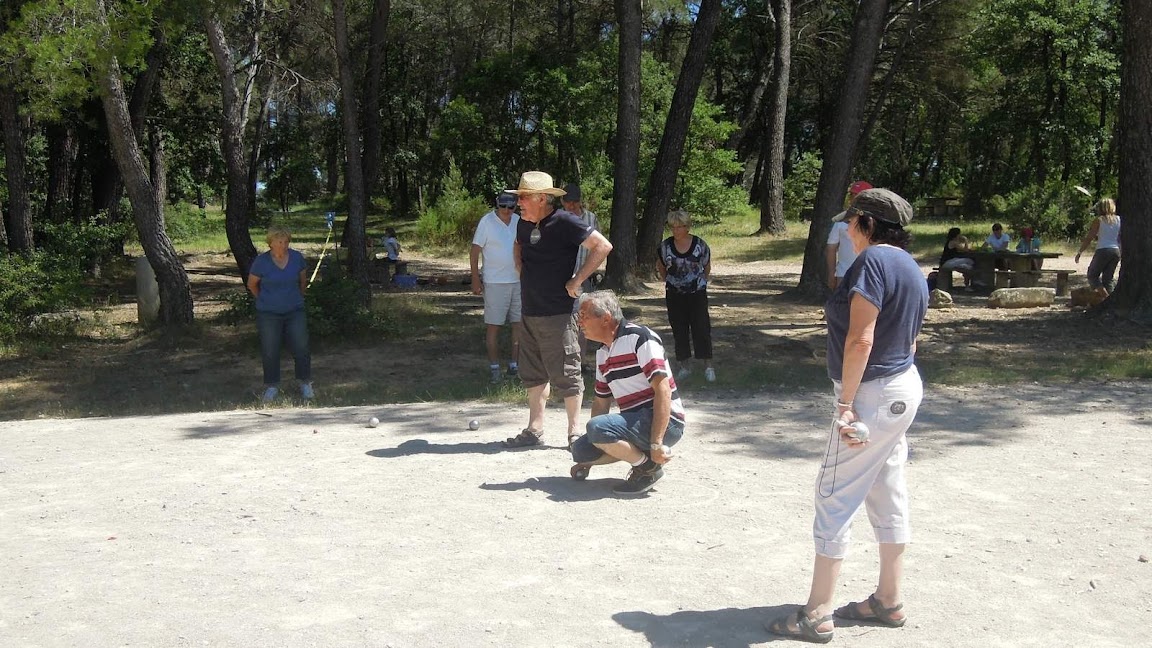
[[1032, 510], [235, 526]]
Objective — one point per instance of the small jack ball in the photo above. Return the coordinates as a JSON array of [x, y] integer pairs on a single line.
[[473, 424], [373, 422]]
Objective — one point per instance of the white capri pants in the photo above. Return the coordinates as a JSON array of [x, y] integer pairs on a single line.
[[872, 474]]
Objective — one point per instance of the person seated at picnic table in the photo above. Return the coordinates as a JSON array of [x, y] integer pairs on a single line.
[[998, 240], [950, 259], [1029, 242]]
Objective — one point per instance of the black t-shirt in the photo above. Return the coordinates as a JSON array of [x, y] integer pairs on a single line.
[[547, 264], [948, 254]]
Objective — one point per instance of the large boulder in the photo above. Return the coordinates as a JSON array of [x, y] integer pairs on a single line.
[[939, 299], [1021, 297]]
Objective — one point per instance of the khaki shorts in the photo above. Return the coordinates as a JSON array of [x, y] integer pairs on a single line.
[[549, 353], [501, 303]]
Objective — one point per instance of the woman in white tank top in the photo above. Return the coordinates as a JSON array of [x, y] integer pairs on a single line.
[[1105, 230]]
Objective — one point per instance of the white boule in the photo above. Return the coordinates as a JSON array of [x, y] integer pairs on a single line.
[[473, 424], [373, 422]]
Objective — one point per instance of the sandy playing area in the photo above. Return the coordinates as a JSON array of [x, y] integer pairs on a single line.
[[1032, 509]]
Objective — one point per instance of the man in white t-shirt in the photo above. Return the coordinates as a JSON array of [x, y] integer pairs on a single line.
[[998, 240], [499, 282], [839, 253]]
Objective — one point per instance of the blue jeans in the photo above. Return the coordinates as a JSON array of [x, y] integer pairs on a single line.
[[635, 427], [274, 328]]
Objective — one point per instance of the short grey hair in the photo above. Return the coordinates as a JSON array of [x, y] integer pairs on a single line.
[[602, 302], [680, 218]]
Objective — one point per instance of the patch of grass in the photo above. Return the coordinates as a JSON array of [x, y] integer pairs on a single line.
[[1029, 366]]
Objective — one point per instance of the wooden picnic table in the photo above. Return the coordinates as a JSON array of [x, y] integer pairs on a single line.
[[987, 261]]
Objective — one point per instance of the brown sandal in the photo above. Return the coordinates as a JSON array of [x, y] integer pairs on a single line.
[[527, 438], [879, 613], [805, 627], [572, 439]]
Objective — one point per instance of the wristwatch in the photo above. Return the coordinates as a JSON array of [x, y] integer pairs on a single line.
[[655, 446]]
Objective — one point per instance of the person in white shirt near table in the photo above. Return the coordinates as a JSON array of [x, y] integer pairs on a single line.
[[998, 240]]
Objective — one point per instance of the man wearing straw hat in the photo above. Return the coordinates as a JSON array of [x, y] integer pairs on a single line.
[[547, 242]]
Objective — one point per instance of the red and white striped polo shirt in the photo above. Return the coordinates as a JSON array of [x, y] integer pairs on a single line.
[[624, 369]]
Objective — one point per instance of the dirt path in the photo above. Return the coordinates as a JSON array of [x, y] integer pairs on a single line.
[[1032, 508]]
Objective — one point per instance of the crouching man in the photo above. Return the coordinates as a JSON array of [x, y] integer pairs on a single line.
[[630, 369]]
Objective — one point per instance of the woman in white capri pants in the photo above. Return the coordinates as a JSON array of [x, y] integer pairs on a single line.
[[874, 316]]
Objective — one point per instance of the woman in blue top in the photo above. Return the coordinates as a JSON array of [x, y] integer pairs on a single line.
[[278, 279], [873, 319]]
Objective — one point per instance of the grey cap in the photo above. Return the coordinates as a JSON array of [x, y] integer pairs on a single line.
[[881, 204], [572, 193]]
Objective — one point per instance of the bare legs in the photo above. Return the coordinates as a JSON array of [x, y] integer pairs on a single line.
[[538, 398], [826, 572], [492, 341]]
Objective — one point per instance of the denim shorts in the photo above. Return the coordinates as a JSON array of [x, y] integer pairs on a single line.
[[635, 427]]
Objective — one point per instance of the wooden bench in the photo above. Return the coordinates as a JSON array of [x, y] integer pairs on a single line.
[[1030, 278]]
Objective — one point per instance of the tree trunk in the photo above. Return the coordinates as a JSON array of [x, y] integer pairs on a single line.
[[175, 291], [378, 33], [355, 227], [621, 270], [839, 154], [1133, 295], [19, 208], [233, 116], [772, 188], [62, 152], [156, 165], [670, 155]]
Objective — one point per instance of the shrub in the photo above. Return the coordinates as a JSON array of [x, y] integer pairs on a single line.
[[32, 285], [1053, 209], [800, 185], [453, 218]]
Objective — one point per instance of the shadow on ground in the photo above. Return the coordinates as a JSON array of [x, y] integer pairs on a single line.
[[723, 628]]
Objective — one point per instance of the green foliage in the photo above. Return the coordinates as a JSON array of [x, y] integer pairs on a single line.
[[1053, 210], [33, 285], [800, 186], [453, 218], [76, 247], [185, 222], [64, 44], [703, 188]]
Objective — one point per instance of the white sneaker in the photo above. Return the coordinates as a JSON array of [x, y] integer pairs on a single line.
[[306, 391], [683, 373], [710, 374], [496, 377], [270, 394]]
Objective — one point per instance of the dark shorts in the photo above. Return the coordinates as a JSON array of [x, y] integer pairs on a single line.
[[550, 353]]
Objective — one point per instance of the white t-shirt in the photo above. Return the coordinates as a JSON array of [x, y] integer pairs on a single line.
[[496, 239], [845, 255], [1001, 243], [589, 219]]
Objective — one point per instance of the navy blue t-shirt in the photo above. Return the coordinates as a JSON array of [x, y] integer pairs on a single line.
[[279, 288], [546, 265], [889, 278]]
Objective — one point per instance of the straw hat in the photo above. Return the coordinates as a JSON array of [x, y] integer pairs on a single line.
[[536, 182]]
